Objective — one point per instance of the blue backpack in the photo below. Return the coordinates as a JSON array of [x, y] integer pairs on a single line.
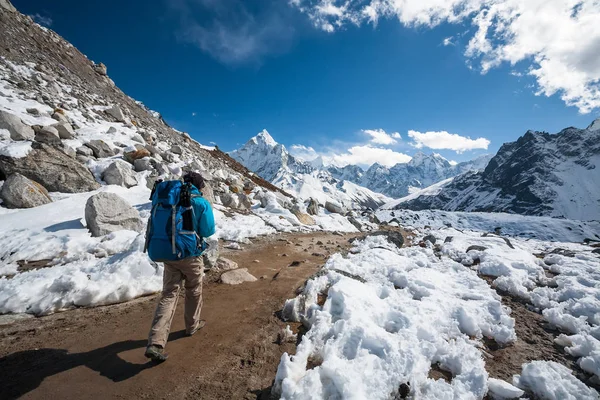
[[171, 233]]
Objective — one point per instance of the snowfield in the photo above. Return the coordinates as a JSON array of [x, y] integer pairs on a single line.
[[391, 314]]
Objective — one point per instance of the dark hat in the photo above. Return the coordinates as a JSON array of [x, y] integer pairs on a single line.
[[195, 179]]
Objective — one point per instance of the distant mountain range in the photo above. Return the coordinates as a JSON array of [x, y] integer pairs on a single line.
[[539, 174], [349, 184]]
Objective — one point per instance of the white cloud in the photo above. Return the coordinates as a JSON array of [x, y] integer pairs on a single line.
[[449, 141], [452, 162], [232, 31], [379, 136], [448, 41], [194, 114], [305, 153], [41, 19], [558, 40], [368, 155]]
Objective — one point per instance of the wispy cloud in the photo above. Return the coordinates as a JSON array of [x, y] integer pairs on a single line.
[[42, 19], [234, 31], [379, 136], [443, 140], [557, 40]]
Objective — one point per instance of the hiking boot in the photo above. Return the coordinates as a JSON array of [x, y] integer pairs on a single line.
[[156, 353], [196, 329]]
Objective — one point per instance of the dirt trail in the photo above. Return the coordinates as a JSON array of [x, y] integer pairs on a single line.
[[98, 353]]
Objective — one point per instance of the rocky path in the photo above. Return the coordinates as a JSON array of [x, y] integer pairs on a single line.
[[98, 353]]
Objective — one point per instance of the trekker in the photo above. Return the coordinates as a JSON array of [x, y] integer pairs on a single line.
[[180, 220]]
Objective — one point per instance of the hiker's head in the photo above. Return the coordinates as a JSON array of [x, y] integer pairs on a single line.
[[195, 179]]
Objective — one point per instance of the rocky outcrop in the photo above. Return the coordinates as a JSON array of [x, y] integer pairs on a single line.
[[65, 130], [100, 69], [119, 173], [51, 168], [334, 208], [107, 212], [100, 148], [313, 207], [116, 112], [16, 128], [5, 4], [21, 192]]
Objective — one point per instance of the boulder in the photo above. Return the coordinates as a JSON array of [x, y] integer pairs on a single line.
[[21, 192], [225, 264], [354, 222], [84, 151], [51, 168], [65, 130], [100, 69], [230, 200], [100, 148], [138, 138], [313, 207], [176, 149], [160, 168], [116, 113], [430, 238], [334, 208], [130, 155], [208, 193], [168, 157], [211, 254], [111, 130], [16, 128], [107, 212], [393, 237], [150, 138], [476, 248], [119, 173], [237, 276], [48, 135], [142, 164], [303, 218], [34, 111], [68, 150], [243, 201], [60, 116], [596, 251]]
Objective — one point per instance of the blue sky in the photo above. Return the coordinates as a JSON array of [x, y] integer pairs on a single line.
[[323, 76]]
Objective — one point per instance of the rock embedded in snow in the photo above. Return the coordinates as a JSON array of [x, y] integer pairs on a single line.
[[107, 212], [355, 222], [139, 152], [17, 129], [116, 112], [47, 135], [313, 207], [21, 192], [207, 193], [393, 237], [225, 264], [138, 138], [334, 208], [65, 130], [230, 200], [142, 164], [430, 238], [303, 218], [100, 148], [119, 173], [176, 149], [51, 168], [237, 276], [84, 151], [111, 130], [34, 111], [60, 116]]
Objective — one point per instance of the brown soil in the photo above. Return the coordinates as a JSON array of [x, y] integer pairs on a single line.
[[98, 352]]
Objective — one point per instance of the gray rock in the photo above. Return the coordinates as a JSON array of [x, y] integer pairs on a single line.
[[313, 207], [596, 251], [60, 117], [82, 159], [230, 200], [21, 192], [334, 208], [48, 135], [168, 157], [211, 254], [34, 111], [225, 264], [112, 129], [208, 193], [142, 164], [107, 212], [160, 168], [17, 129], [150, 138], [243, 201], [51, 168], [176, 149], [116, 113], [119, 173], [68, 150], [393, 237], [356, 224], [430, 238], [84, 151], [138, 138], [65, 130], [7, 6], [100, 148], [153, 150], [237, 276], [476, 248], [100, 69]]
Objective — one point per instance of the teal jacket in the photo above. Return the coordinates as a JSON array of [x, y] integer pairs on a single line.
[[205, 219]]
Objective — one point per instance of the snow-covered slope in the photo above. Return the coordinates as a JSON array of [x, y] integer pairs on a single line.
[[539, 174], [271, 160]]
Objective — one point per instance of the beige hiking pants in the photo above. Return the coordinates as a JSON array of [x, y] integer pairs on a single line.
[[192, 270]]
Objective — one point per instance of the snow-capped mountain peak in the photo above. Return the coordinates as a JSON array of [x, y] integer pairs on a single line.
[[594, 126], [264, 138]]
